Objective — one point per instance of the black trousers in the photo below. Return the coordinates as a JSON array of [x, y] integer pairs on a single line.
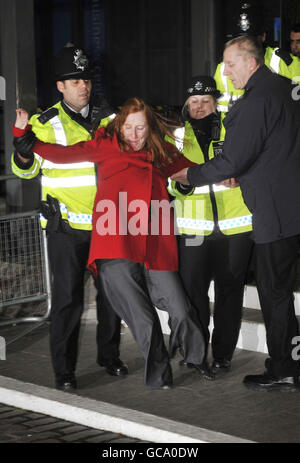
[[133, 292], [223, 259], [68, 255], [275, 268]]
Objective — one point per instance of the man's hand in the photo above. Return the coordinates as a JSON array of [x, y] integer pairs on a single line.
[[229, 182], [21, 118], [181, 176]]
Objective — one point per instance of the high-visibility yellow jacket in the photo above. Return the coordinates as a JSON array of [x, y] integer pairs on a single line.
[[278, 65], [74, 185], [209, 207]]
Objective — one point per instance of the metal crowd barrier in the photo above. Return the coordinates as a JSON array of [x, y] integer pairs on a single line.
[[24, 265]]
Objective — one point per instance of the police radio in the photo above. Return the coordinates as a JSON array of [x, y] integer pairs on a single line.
[[216, 127]]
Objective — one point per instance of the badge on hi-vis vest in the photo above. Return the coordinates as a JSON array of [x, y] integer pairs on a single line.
[[217, 147]]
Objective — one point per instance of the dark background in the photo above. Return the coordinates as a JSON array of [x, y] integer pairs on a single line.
[[139, 47]]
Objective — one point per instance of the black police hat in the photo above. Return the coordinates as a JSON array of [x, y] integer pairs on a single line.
[[247, 20], [71, 63], [202, 85]]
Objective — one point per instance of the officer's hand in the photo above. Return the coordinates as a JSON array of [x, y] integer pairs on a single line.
[[24, 145], [21, 118], [181, 176], [229, 182]]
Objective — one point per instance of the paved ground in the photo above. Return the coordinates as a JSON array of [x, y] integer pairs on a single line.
[[224, 406], [21, 426]]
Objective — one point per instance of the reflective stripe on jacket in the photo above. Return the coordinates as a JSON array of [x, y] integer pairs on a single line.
[[73, 184], [194, 211], [291, 71]]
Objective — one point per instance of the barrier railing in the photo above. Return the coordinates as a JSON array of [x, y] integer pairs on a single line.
[[24, 266]]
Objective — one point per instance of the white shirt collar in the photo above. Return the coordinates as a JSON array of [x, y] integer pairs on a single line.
[[84, 112]]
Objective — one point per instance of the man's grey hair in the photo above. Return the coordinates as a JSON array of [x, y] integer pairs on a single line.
[[250, 45]]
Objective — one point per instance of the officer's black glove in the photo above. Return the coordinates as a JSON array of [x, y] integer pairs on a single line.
[[51, 212], [183, 189], [24, 145], [49, 208]]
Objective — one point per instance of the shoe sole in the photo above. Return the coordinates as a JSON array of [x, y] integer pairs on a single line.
[[66, 389], [204, 375], [272, 388], [192, 367], [166, 387], [220, 371], [117, 373], [208, 378]]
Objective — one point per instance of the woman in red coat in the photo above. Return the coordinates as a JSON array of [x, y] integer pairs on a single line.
[[133, 248]]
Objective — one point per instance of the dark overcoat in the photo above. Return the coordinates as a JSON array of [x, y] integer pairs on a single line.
[[262, 149]]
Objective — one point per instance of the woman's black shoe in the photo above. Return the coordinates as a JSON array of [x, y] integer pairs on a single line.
[[203, 369]]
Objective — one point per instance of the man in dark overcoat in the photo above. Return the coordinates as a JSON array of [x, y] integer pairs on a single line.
[[262, 149]]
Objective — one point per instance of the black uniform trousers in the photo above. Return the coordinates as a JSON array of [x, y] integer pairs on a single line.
[[68, 255], [275, 269], [223, 259], [133, 292]]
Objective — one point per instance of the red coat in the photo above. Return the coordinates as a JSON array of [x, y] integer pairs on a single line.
[[127, 182]]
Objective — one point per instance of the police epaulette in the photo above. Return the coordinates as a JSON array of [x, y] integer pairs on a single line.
[[47, 115], [284, 55]]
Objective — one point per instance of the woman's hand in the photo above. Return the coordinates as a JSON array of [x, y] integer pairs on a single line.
[[24, 138], [21, 119]]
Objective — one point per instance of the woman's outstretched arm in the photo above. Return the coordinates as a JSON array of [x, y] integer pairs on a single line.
[[90, 150]]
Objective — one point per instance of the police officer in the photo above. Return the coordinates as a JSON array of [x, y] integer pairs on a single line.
[[247, 21], [214, 227], [68, 193], [288, 63]]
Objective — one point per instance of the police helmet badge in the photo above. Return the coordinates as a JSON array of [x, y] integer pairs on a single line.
[[198, 85], [244, 23], [80, 60], [196, 88]]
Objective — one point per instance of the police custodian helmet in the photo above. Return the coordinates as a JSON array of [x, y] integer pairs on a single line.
[[247, 20], [71, 63], [202, 85]]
